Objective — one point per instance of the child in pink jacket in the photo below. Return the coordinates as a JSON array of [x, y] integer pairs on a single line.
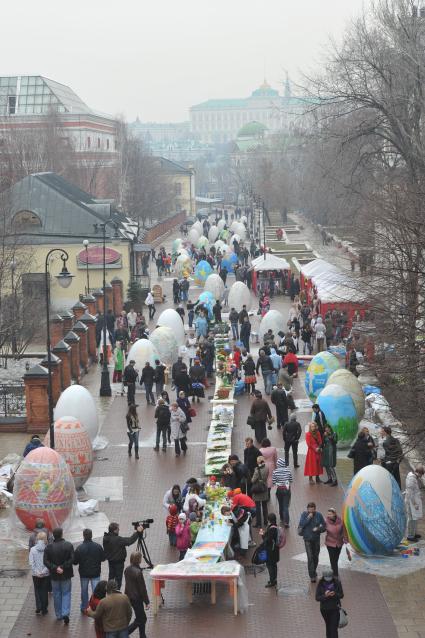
[[183, 535]]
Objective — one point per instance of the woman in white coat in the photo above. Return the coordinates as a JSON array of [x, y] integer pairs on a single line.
[[413, 501], [178, 428]]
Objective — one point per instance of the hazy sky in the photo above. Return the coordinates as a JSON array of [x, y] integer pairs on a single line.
[[156, 58]]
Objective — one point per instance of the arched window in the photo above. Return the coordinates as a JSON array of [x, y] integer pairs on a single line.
[[25, 219]]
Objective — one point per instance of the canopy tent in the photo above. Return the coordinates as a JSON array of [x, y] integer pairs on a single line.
[[314, 268], [270, 264], [340, 291]]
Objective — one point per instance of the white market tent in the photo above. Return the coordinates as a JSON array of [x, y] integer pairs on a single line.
[[271, 262], [317, 267]]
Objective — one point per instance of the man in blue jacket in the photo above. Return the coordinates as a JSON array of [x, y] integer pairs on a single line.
[[311, 525]]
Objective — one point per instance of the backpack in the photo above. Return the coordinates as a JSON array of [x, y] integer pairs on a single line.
[[281, 537]]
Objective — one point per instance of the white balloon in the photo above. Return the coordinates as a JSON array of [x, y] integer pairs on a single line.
[[142, 351], [214, 284], [221, 224], [76, 401], [272, 319], [239, 295], [213, 233], [193, 236], [165, 343], [172, 319]]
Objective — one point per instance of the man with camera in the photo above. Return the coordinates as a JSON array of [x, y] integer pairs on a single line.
[[115, 550]]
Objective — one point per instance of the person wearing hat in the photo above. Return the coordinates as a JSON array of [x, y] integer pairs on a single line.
[[34, 443], [114, 611], [182, 535], [329, 594]]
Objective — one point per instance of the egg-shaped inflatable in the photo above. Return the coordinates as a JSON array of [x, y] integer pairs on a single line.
[[165, 343], [142, 351], [207, 299], [77, 401], [349, 382], [73, 443], [272, 319], [318, 372], [193, 236], [172, 319], [241, 231], [234, 225], [44, 489], [221, 224], [183, 266], [176, 245], [214, 284], [202, 242], [340, 412], [213, 234], [243, 219], [202, 271], [373, 512], [234, 238], [219, 244], [198, 227], [239, 295], [229, 262]]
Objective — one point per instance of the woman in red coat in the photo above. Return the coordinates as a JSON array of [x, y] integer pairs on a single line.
[[313, 460]]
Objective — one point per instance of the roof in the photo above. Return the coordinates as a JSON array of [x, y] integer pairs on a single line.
[[208, 200], [67, 97], [173, 168], [316, 267], [271, 262]]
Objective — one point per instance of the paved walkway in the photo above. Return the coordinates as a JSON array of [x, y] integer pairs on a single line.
[[293, 613]]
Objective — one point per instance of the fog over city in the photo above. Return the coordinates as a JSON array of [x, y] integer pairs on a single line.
[[156, 59]]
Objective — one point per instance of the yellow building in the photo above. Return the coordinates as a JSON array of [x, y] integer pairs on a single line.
[[183, 183], [45, 212]]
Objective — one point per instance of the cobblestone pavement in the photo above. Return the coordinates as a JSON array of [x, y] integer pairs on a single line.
[[294, 612]]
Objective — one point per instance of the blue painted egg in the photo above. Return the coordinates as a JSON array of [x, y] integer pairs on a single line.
[[202, 272], [340, 412], [321, 367]]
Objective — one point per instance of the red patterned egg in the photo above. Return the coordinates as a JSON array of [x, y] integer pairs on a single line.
[[73, 443], [44, 489]]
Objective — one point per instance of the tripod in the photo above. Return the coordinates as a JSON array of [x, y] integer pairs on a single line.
[[142, 547]]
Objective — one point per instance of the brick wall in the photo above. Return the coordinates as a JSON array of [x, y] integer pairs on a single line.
[[162, 227]]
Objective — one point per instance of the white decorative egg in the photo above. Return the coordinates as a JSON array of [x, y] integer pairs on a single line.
[[77, 401], [172, 319]]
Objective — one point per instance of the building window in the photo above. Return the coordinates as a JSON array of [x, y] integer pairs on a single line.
[[98, 142], [107, 145], [11, 104], [178, 188], [88, 142]]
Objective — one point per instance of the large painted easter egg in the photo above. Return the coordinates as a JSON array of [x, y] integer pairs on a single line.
[[239, 295], [229, 261], [215, 285], [221, 224], [193, 236], [272, 319], [318, 372], [176, 245], [202, 242], [340, 412], [172, 319], [241, 231], [183, 266], [349, 382], [73, 443], [202, 272], [77, 401], [373, 512], [207, 299], [213, 234], [142, 351], [165, 343], [44, 489]]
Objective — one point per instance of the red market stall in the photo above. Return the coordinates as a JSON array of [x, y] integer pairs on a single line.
[[315, 268], [263, 267]]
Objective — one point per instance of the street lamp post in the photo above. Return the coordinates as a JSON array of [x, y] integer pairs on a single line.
[[13, 269], [64, 279], [105, 382], [86, 246]]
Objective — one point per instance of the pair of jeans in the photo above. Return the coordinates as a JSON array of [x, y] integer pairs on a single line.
[[133, 440], [184, 295], [116, 569], [41, 592], [284, 499], [258, 506], [180, 443], [267, 378], [159, 386], [85, 590], [334, 553], [149, 394], [131, 392], [312, 549], [161, 429], [330, 471], [235, 331], [122, 633], [294, 446], [272, 569], [152, 311], [62, 597], [140, 618], [331, 618]]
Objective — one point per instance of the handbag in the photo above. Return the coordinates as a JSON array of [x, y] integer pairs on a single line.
[[260, 555], [291, 402], [192, 412], [343, 618], [351, 453], [184, 427], [258, 487], [250, 421]]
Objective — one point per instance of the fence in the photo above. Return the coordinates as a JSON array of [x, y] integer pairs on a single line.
[[12, 400]]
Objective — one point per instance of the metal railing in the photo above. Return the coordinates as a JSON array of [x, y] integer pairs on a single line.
[[12, 400]]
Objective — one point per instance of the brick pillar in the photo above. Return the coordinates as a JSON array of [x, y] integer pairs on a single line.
[[56, 329], [63, 351], [78, 309], [90, 321], [73, 340], [117, 295], [90, 302], [109, 297], [68, 321], [98, 295], [81, 330], [56, 365], [36, 399]]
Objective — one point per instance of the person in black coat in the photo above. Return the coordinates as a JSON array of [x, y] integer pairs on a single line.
[[279, 399], [163, 417], [245, 332], [329, 593], [270, 540], [319, 418], [115, 550], [250, 378], [147, 377], [250, 455], [291, 433], [361, 453], [130, 378], [58, 558], [89, 557], [217, 311], [241, 472]]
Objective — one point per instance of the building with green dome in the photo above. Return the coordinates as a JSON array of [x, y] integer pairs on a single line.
[[218, 121]]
